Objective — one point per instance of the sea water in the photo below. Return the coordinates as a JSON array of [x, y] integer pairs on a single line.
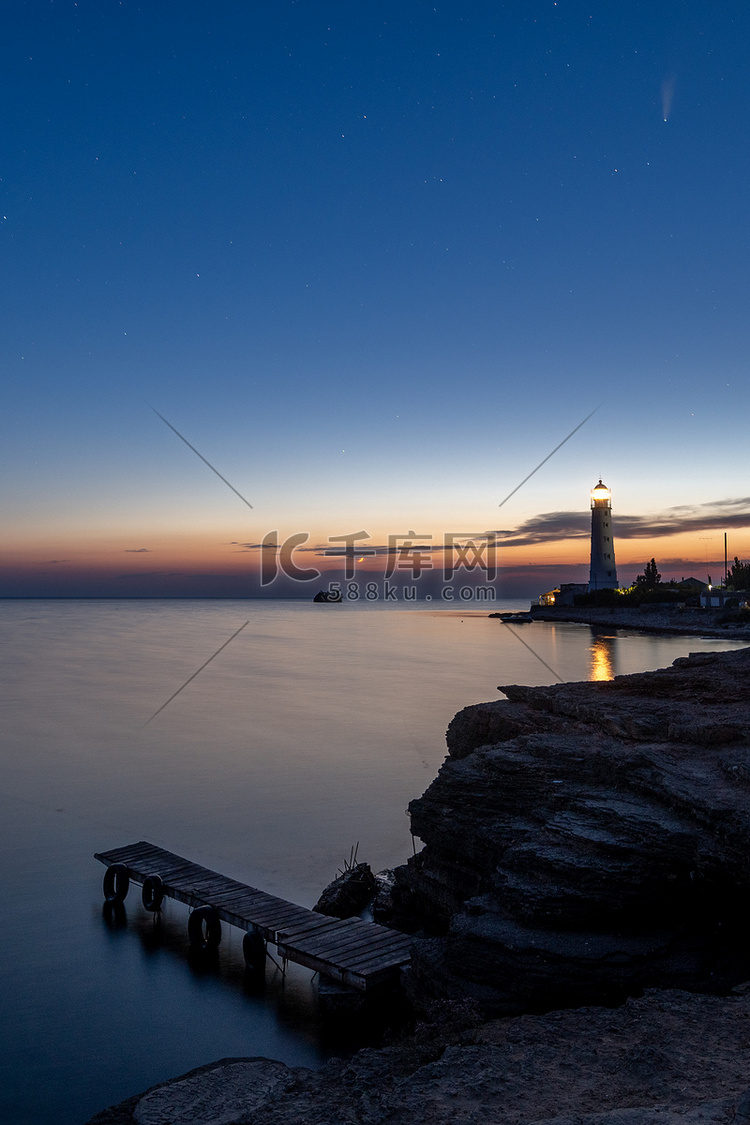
[[304, 737]]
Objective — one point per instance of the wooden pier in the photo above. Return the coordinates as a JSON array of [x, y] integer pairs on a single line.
[[355, 953]]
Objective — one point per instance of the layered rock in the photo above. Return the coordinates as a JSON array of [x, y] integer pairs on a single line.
[[585, 841]]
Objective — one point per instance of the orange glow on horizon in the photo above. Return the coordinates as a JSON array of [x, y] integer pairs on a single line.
[[222, 552]]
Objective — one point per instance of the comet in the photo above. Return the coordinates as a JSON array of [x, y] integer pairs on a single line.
[[667, 93]]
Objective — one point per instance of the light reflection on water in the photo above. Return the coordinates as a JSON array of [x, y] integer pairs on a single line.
[[310, 732], [603, 649]]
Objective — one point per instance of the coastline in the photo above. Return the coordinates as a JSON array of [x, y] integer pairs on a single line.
[[664, 756], [668, 1058], [657, 618]]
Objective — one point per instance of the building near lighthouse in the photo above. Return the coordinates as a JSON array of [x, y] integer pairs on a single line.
[[603, 573]]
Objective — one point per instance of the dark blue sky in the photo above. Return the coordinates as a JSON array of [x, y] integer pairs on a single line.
[[374, 261]]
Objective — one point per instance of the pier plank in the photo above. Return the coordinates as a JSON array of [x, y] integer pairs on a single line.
[[237, 897], [194, 879], [359, 931], [173, 870], [124, 855], [331, 944], [281, 919], [399, 953], [166, 873], [258, 904], [373, 948], [313, 926], [276, 916]]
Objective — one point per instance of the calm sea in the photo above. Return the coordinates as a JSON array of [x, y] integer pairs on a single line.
[[309, 733]]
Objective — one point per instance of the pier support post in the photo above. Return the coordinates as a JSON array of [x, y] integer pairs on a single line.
[[254, 951]]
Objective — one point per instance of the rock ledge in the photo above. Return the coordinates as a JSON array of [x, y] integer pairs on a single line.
[[586, 841], [669, 1058]]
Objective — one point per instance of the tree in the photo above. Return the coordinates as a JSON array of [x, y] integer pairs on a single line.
[[739, 575], [650, 578]]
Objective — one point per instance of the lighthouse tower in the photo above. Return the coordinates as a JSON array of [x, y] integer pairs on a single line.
[[602, 575]]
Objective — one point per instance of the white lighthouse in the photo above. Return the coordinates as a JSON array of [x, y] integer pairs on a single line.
[[602, 575]]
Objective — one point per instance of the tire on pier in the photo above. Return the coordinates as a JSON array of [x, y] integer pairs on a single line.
[[204, 928], [152, 894], [116, 882], [254, 951]]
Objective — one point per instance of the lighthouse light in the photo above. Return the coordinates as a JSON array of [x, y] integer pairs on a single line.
[[600, 496]]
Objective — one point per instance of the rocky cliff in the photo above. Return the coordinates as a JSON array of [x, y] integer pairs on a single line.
[[585, 841]]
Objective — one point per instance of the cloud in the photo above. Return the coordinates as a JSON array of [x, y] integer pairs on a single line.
[[130, 577], [546, 528], [549, 527], [137, 551], [716, 515], [425, 544]]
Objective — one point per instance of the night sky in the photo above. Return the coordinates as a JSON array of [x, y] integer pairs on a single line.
[[373, 261]]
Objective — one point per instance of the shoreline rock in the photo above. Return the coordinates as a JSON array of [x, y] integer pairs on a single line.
[[656, 618], [669, 1058], [586, 841], [349, 893]]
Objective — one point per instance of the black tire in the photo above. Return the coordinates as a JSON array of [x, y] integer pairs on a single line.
[[116, 882], [152, 895], [204, 928], [254, 951]]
